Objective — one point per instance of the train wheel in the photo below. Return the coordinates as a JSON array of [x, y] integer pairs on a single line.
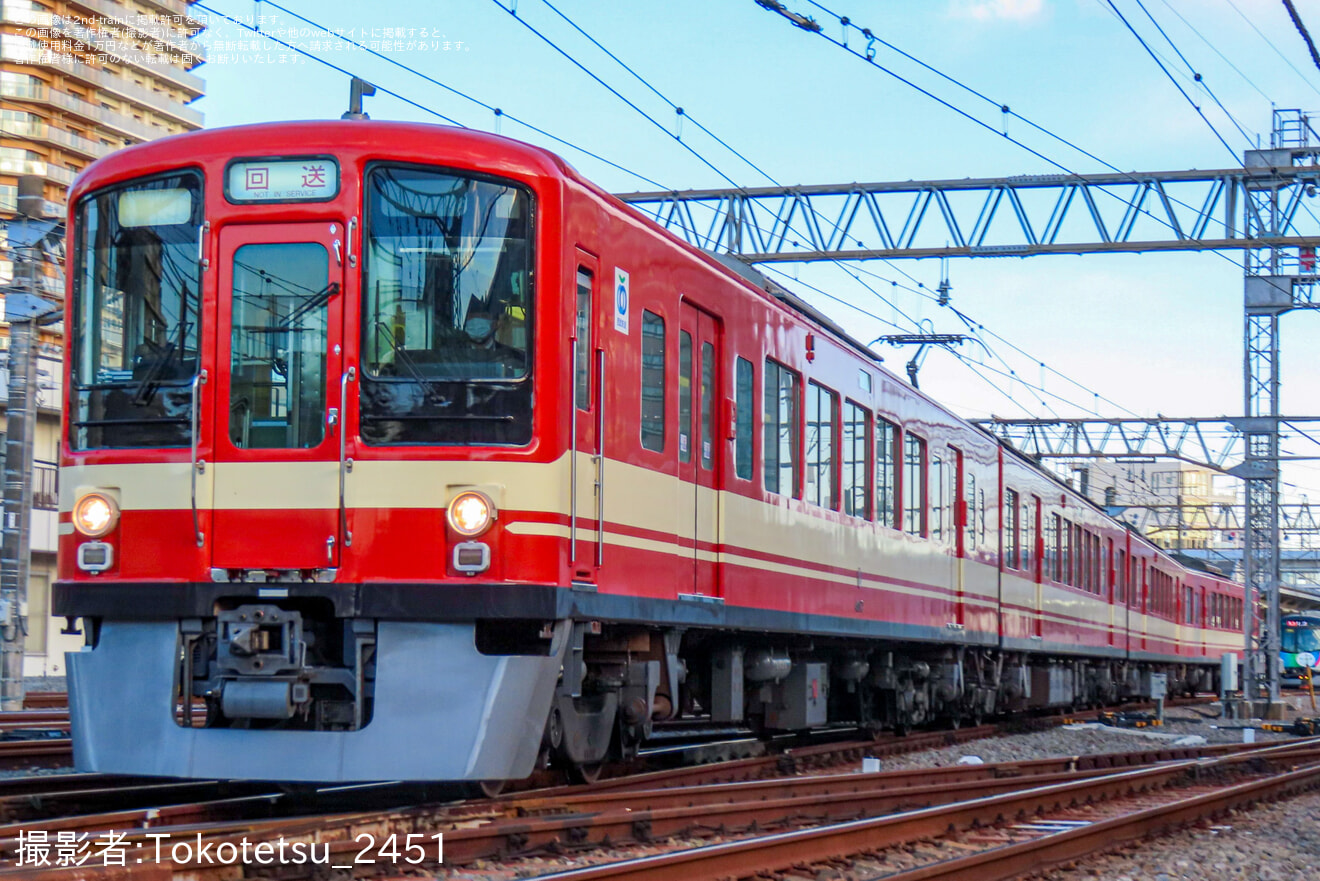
[[491, 788], [585, 772]]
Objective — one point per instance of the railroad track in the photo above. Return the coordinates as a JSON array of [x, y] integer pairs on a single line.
[[907, 807], [45, 700]]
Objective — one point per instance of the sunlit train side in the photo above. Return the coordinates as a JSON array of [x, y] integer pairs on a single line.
[[401, 452]]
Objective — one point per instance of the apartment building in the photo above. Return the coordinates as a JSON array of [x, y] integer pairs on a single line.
[[78, 79]]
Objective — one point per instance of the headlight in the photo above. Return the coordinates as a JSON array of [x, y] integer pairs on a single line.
[[471, 513], [95, 515]]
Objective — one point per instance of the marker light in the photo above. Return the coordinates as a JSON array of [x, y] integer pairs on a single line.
[[95, 514], [471, 513]]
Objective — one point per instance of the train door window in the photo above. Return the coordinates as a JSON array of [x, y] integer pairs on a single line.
[[914, 484], [277, 373], [969, 502], [707, 406], [582, 332], [1011, 534], [780, 423], [1120, 575], [684, 396], [653, 382], [856, 443], [822, 410], [886, 473], [744, 395], [937, 497]]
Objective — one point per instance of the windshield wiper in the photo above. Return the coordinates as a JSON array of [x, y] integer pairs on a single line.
[[403, 359], [145, 390]]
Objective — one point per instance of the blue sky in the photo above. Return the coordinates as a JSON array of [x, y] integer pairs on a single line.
[[1152, 333]]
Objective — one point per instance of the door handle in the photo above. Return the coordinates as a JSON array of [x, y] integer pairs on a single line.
[[332, 418], [339, 257], [345, 463]]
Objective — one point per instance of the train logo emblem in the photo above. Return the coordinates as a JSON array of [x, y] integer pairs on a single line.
[[620, 300]]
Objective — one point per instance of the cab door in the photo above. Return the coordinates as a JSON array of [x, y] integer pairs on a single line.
[[279, 327]]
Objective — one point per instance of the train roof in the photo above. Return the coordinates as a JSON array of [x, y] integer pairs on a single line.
[[498, 153]]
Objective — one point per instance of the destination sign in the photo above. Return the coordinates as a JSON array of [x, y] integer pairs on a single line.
[[314, 179]]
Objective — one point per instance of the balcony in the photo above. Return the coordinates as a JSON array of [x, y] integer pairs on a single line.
[[9, 203], [38, 130], [39, 93], [163, 34], [42, 169], [162, 104], [101, 41]]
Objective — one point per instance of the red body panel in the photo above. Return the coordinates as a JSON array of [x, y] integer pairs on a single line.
[[913, 581]]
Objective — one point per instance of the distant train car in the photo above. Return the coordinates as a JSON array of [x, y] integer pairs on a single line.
[[1299, 647], [403, 452]]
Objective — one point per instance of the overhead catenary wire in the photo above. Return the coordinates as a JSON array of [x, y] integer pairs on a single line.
[[1172, 79], [1213, 48], [1270, 43], [868, 58], [1196, 75], [409, 101], [1301, 29]]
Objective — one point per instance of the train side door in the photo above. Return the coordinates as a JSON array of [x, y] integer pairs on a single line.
[[960, 519], [586, 548], [700, 453], [279, 359]]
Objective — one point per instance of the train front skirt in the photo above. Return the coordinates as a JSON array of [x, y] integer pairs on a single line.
[[443, 711]]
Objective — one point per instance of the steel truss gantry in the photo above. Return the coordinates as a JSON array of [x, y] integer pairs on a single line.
[[1299, 519], [1261, 209], [1002, 217]]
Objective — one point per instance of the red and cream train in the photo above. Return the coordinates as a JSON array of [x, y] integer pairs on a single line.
[[403, 452]]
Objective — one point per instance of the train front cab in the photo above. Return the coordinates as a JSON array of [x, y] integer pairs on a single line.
[[300, 396], [1299, 648]]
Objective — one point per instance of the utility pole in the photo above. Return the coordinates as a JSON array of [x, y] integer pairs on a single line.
[[24, 309]]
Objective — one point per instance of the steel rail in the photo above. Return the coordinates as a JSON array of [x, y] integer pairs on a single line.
[[914, 782], [1010, 861], [782, 851]]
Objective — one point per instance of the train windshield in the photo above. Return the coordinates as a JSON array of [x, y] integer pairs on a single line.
[[135, 314], [446, 309], [1301, 636]]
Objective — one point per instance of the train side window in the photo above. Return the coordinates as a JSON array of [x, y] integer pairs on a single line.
[[1029, 506], [582, 330], [780, 422], [980, 505], [886, 473], [1049, 529], [969, 500], [653, 382], [822, 412], [707, 406], [1065, 552], [938, 490], [856, 445], [1011, 535], [684, 396], [915, 492], [744, 395]]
